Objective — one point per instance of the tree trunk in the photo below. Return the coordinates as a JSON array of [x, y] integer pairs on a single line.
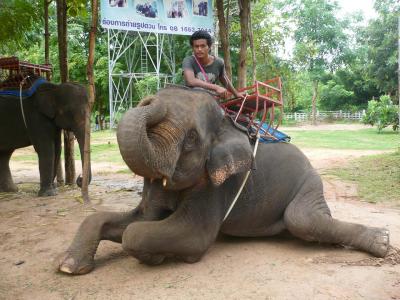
[[92, 94], [62, 54], [223, 36], [244, 7], [46, 3], [62, 38], [253, 50], [314, 102], [46, 35]]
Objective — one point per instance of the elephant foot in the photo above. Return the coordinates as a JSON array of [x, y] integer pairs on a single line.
[[148, 258], [380, 242], [70, 265], [191, 259], [9, 188], [45, 192]]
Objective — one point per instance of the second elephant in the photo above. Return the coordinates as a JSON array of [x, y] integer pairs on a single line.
[[51, 108]]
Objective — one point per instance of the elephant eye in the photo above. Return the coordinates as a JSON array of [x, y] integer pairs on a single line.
[[191, 139]]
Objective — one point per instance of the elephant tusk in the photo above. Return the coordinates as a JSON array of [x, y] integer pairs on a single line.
[[164, 181]]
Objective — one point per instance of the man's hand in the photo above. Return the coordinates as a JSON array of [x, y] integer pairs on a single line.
[[240, 95], [221, 91]]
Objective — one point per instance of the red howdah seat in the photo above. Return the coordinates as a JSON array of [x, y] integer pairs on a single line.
[[258, 107]]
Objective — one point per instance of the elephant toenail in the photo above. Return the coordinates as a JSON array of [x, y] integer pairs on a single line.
[[66, 266], [66, 269]]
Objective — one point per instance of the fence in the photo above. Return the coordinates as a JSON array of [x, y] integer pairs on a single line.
[[302, 117], [325, 115]]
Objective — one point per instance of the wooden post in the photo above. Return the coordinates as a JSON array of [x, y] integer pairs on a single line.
[[46, 3], [62, 51], [398, 70], [92, 93]]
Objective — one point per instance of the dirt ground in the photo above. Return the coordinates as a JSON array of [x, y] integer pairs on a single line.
[[34, 231]]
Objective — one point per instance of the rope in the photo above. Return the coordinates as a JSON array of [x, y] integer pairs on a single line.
[[241, 107], [244, 181], [20, 100]]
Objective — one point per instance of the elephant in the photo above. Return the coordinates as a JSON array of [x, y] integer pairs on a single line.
[[49, 109], [193, 160]]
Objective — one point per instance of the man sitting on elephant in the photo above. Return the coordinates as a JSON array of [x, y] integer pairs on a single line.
[[203, 70]]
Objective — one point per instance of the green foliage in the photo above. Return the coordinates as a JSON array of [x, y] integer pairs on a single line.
[[319, 36], [381, 38], [78, 8], [270, 29], [352, 65], [146, 86], [297, 91], [382, 113], [320, 40], [335, 97], [21, 22]]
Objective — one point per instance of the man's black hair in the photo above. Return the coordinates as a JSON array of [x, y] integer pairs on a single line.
[[201, 35]]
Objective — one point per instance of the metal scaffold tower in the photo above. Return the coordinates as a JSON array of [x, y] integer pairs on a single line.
[[137, 59]]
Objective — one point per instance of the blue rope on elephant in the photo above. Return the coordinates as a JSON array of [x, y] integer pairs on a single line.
[[25, 93]]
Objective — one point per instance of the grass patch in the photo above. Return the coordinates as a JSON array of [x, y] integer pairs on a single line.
[[104, 147], [363, 139], [124, 171], [104, 153], [377, 177], [25, 157], [290, 123], [103, 135]]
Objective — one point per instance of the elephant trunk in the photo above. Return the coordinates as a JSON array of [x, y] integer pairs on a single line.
[[80, 137], [143, 147]]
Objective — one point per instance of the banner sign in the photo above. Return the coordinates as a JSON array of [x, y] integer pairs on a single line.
[[163, 16]]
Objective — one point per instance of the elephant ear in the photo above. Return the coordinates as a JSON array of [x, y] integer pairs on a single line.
[[231, 154], [45, 99]]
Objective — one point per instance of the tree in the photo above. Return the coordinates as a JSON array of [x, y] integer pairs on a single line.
[[334, 96], [320, 40], [252, 49], [380, 38], [270, 29], [92, 95], [382, 113], [21, 24], [46, 4], [69, 160], [244, 11], [223, 34]]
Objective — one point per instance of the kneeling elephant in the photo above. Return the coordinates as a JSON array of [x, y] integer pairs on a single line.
[[194, 160]]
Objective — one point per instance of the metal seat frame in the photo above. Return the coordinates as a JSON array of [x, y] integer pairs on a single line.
[[13, 72], [262, 98]]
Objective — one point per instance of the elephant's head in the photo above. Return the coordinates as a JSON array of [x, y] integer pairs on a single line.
[[182, 137], [66, 104]]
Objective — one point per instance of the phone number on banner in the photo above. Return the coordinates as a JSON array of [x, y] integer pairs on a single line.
[[193, 29]]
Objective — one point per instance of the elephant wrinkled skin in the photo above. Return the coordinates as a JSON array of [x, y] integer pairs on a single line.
[[193, 160], [51, 108]]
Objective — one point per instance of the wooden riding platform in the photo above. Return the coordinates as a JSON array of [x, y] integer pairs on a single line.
[[13, 71], [258, 107]]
